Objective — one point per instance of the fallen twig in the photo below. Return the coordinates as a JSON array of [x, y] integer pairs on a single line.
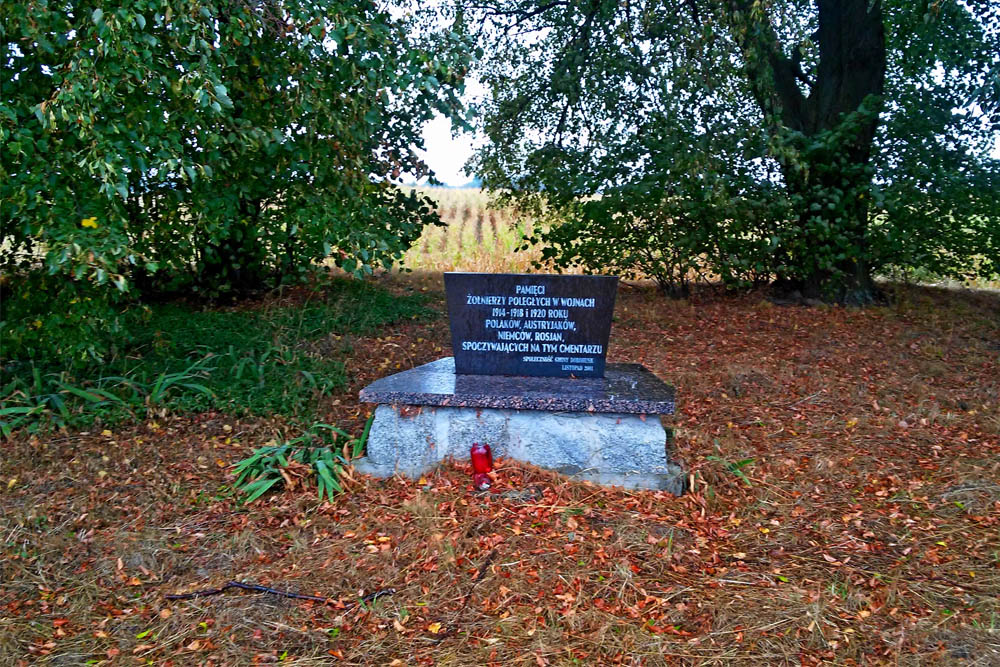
[[482, 568], [275, 591], [807, 398]]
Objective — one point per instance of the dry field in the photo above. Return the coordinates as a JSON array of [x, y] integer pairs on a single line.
[[475, 237], [845, 509]]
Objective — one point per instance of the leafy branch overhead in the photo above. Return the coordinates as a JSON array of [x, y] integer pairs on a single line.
[[816, 143], [216, 148]]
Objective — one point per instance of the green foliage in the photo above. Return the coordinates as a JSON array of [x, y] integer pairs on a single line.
[[51, 399], [324, 449], [273, 360], [748, 141], [733, 467], [47, 316], [215, 147], [673, 224]]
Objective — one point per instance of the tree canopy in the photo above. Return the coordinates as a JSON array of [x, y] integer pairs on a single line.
[[215, 146], [816, 143]]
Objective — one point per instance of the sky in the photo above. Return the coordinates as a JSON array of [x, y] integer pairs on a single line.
[[446, 155]]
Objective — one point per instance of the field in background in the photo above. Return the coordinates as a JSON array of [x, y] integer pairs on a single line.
[[479, 238], [475, 238]]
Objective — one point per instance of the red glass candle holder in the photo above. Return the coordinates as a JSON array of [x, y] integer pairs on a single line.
[[481, 481], [482, 458]]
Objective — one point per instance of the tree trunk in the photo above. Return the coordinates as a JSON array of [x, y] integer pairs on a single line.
[[830, 129]]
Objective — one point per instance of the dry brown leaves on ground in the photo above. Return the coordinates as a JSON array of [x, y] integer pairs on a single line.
[[845, 508]]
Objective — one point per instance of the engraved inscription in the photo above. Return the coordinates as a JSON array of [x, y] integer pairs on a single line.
[[527, 324]]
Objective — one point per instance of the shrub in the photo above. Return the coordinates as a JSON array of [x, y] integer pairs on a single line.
[[216, 148]]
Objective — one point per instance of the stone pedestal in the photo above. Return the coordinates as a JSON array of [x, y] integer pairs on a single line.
[[606, 430]]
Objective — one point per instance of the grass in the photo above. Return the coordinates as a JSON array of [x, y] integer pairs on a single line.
[[844, 504], [843, 467], [279, 356]]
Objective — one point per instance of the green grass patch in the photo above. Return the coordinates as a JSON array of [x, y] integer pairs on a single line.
[[252, 360]]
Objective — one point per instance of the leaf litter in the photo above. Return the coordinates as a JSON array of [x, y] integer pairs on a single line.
[[844, 507]]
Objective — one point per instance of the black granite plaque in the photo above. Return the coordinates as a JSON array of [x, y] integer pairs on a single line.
[[530, 324]]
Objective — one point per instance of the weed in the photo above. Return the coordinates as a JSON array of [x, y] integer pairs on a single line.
[[734, 467], [323, 450]]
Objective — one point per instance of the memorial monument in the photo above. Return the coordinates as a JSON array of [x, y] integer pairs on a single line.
[[529, 378]]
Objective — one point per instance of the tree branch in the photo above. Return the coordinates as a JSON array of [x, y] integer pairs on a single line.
[[273, 591], [766, 64]]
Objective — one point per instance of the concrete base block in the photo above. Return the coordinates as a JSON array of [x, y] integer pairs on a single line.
[[606, 448]]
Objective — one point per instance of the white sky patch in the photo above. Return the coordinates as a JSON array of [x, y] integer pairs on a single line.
[[445, 154]]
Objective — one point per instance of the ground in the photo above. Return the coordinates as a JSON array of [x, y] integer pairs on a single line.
[[845, 508]]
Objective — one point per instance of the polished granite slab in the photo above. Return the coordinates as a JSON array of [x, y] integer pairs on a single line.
[[625, 388], [571, 310]]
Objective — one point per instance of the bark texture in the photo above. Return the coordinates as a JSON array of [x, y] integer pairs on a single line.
[[851, 68]]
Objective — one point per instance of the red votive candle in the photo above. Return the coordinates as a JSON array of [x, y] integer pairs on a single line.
[[482, 458], [481, 481]]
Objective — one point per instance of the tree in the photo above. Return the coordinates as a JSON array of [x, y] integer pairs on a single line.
[[217, 146], [813, 142]]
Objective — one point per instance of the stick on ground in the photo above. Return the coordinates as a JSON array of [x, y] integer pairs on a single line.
[[274, 591]]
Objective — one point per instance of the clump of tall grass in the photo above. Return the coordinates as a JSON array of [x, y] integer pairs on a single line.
[[270, 358], [323, 451], [51, 399]]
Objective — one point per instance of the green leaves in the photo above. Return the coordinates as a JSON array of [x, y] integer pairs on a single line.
[[686, 140], [733, 467], [12, 417], [196, 137], [317, 450], [259, 487]]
